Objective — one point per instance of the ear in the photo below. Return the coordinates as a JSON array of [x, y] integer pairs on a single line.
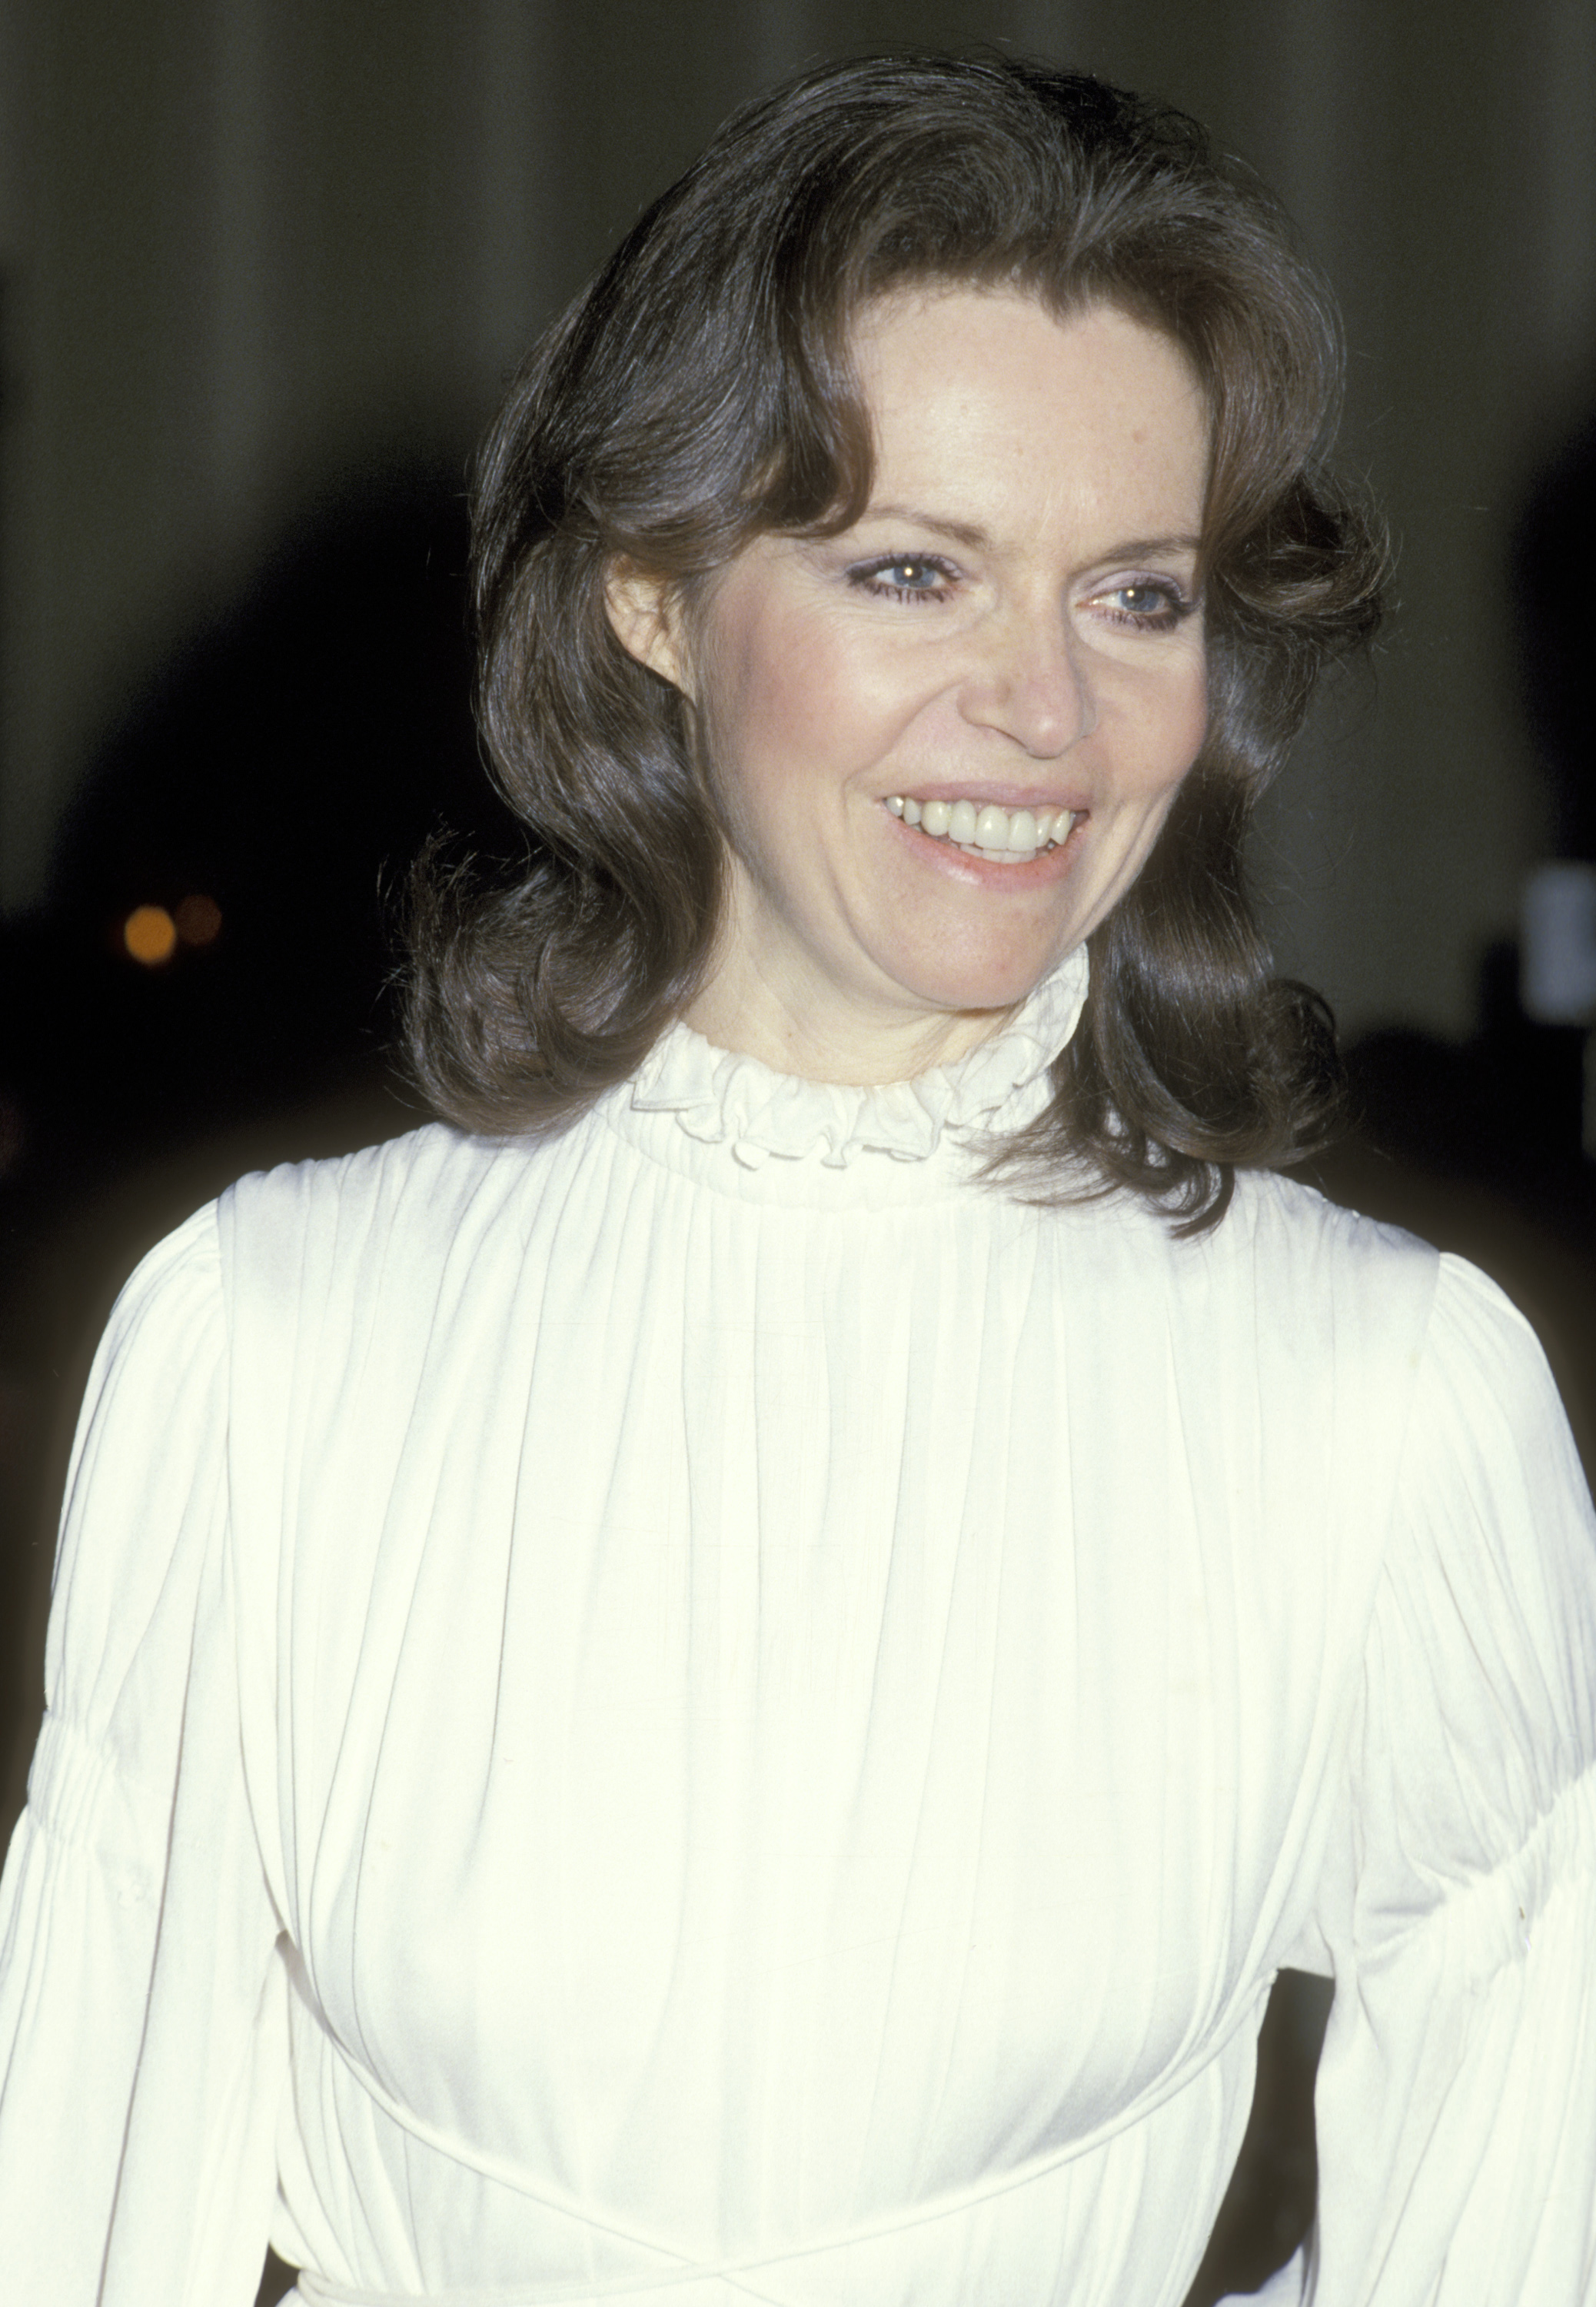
[[646, 619]]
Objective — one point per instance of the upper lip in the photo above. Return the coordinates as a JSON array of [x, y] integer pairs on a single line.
[[980, 789]]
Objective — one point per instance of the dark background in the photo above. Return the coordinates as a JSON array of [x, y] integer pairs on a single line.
[[264, 266]]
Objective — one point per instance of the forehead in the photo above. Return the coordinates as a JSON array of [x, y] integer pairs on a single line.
[[989, 393]]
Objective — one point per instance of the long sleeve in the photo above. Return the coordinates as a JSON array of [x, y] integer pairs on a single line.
[[140, 2019], [1456, 2101]]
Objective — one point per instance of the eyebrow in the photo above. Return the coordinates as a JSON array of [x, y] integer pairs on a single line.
[[966, 533], [961, 532]]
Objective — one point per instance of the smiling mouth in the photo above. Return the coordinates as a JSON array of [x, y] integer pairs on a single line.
[[1004, 837]]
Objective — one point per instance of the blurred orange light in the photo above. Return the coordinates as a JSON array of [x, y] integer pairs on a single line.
[[197, 920], [150, 934]]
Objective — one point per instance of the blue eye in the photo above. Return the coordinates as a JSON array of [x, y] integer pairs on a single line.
[[904, 576], [1146, 603]]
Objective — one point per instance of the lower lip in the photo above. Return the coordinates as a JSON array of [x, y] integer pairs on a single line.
[[1040, 871]]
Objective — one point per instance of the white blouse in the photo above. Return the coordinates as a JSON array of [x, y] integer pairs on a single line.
[[713, 1711]]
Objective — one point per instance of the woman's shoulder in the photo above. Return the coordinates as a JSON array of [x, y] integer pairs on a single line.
[[379, 1222], [428, 1169], [1283, 1216], [1287, 1239], [382, 1222], [403, 1203], [1280, 1240], [1466, 1334], [1337, 1299]]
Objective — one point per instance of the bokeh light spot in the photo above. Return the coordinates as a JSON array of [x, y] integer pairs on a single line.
[[197, 920], [150, 934]]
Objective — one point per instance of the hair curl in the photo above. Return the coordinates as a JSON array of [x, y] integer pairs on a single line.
[[701, 391]]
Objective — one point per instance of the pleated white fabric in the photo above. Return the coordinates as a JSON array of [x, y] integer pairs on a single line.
[[716, 1711]]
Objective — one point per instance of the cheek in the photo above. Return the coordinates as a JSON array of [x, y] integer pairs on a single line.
[[759, 746], [765, 721], [768, 699], [1181, 729], [1177, 731], [796, 713], [1194, 725]]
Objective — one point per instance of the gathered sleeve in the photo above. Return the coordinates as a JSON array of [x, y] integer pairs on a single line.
[[142, 2020], [1456, 2098]]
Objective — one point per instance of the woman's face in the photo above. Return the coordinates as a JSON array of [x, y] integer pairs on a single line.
[[1011, 627]]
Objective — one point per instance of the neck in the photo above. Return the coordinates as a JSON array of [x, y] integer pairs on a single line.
[[817, 1042]]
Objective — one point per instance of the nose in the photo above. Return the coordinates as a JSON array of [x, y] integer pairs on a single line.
[[1028, 684]]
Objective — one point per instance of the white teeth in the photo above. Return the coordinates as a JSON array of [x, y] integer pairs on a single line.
[[1009, 837], [992, 828]]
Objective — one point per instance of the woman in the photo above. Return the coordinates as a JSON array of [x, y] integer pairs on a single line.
[[736, 1686]]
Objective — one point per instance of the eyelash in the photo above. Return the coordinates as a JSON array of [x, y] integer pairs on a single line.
[[1174, 603], [868, 576]]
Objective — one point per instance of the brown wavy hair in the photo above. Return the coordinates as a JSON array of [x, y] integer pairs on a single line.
[[701, 391]]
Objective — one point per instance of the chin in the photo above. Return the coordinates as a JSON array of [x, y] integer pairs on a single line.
[[986, 972], [988, 988]]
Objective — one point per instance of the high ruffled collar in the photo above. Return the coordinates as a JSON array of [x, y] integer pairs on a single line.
[[722, 1098]]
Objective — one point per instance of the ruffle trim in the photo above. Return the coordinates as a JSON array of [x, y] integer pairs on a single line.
[[722, 1098]]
